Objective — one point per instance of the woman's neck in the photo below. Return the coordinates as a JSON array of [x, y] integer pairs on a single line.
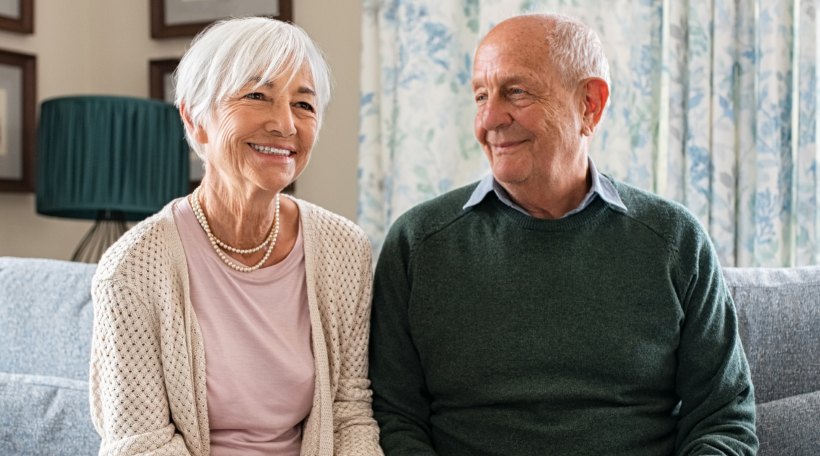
[[239, 217]]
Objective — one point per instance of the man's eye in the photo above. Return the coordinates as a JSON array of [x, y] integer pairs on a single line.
[[517, 91], [480, 97], [255, 96]]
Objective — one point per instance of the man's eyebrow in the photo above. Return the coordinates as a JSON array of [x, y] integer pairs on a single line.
[[505, 81], [517, 79]]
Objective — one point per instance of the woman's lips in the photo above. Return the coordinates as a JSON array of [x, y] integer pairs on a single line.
[[271, 150]]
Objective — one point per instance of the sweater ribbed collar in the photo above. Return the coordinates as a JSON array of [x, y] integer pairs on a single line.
[[594, 211]]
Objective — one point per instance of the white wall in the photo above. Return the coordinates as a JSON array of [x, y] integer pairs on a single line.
[[103, 47]]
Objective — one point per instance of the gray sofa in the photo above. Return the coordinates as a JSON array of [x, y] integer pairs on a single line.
[[779, 324], [45, 345], [45, 334]]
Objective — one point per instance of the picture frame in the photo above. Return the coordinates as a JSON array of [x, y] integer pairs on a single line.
[[17, 15], [160, 73], [178, 18], [18, 129], [161, 86]]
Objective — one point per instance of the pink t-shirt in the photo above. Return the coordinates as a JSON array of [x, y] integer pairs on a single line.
[[255, 325]]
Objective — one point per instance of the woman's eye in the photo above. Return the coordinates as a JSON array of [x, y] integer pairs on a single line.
[[255, 96], [305, 106]]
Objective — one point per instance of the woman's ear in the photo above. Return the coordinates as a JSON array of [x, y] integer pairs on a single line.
[[194, 131]]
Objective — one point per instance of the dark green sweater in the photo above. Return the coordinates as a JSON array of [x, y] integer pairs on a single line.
[[495, 333]]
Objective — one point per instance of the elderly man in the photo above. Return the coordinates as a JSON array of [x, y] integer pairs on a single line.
[[549, 309]]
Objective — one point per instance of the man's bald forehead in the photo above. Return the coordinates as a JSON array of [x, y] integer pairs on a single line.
[[523, 38], [517, 34], [522, 26]]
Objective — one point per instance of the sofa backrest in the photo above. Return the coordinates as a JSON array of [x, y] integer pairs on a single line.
[[779, 325], [46, 317]]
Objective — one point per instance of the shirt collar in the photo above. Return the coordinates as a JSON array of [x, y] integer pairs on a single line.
[[601, 186]]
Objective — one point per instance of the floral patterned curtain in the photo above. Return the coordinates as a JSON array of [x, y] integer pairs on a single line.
[[713, 104]]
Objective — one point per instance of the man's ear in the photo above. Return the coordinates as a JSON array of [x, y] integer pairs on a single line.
[[194, 131], [595, 92]]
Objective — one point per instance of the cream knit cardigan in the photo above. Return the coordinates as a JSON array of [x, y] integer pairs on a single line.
[[147, 375]]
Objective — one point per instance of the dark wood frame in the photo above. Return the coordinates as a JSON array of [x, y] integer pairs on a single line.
[[157, 69], [28, 63], [160, 30], [23, 24]]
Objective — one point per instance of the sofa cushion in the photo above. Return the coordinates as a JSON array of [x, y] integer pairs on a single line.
[[45, 317], [45, 415], [788, 427], [778, 316]]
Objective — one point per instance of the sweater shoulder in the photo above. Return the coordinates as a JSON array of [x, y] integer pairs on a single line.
[[431, 216], [334, 230], [145, 251], [666, 218], [327, 220]]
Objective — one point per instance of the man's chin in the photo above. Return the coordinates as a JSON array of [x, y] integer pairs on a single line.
[[507, 176]]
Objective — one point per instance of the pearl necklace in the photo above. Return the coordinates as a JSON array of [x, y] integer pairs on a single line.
[[218, 245]]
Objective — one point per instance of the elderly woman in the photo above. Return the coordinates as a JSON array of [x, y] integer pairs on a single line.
[[235, 321]]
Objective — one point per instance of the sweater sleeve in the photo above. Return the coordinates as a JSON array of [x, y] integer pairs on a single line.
[[355, 431], [717, 412], [129, 405], [401, 403]]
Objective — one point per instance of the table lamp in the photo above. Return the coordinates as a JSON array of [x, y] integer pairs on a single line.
[[108, 159]]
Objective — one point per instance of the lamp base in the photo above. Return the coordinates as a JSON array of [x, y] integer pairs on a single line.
[[108, 227]]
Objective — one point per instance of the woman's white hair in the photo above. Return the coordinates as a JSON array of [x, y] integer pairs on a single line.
[[575, 50], [230, 53]]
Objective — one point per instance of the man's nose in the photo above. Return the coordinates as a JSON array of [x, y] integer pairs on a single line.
[[494, 114]]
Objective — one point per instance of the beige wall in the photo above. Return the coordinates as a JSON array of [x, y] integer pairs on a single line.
[[103, 47]]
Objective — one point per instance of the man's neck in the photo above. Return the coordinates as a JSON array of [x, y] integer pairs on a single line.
[[553, 195]]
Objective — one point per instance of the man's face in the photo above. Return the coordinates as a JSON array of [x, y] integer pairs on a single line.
[[527, 123]]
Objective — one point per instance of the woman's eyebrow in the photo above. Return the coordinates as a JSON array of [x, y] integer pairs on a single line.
[[257, 80], [306, 90], [302, 90]]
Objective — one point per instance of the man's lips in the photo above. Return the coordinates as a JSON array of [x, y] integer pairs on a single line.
[[505, 145]]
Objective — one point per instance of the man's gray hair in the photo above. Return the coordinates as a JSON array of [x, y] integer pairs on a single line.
[[230, 53], [575, 50]]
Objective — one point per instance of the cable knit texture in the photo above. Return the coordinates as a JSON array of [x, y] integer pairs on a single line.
[[147, 375]]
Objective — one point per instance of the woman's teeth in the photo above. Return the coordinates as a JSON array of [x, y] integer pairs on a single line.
[[270, 150]]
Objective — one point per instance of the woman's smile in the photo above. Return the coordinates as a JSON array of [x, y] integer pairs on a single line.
[[268, 150]]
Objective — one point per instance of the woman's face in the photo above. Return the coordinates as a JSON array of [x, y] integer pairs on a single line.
[[262, 136]]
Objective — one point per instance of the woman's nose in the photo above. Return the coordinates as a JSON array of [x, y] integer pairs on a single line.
[[280, 119]]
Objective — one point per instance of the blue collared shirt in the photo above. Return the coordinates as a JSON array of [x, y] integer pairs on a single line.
[[601, 186]]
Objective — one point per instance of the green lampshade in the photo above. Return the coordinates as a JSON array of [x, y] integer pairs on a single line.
[[100, 153]]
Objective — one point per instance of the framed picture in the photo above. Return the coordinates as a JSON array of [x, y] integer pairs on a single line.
[[174, 18], [162, 80], [161, 87], [18, 130], [17, 15]]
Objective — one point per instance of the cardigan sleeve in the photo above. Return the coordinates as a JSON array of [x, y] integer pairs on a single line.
[[129, 404], [355, 431]]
